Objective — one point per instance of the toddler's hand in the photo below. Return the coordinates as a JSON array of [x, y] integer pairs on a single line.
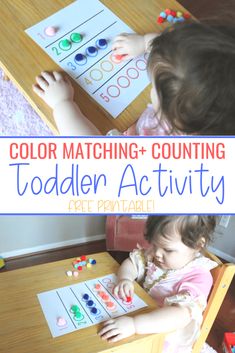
[[124, 289], [130, 45], [116, 329], [53, 88]]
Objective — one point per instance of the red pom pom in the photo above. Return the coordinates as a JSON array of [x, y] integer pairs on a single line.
[[83, 257], [173, 13], [160, 19], [167, 11], [119, 57], [128, 299], [186, 15]]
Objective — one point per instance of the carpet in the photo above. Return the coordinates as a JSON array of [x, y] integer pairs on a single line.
[[17, 117]]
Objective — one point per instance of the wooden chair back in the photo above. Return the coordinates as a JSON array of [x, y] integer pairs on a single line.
[[222, 277]]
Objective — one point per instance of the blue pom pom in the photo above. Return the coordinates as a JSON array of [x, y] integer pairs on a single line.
[[86, 296], [170, 18], [90, 303], [163, 14]]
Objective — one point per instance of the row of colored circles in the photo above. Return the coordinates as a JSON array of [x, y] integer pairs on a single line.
[[81, 59], [132, 73], [78, 316], [90, 303], [114, 91], [96, 74], [105, 297], [66, 44], [101, 293]]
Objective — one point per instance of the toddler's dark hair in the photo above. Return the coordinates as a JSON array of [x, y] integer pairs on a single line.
[[193, 70], [191, 228]]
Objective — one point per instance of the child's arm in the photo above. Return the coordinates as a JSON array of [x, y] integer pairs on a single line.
[[126, 276], [162, 320], [165, 319], [58, 93], [132, 45]]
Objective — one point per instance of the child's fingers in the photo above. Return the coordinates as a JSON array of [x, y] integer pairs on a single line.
[[111, 333], [120, 51], [119, 41], [122, 294], [128, 291], [38, 91], [116, 291], [58, 76], [116, 338], [48, 77], [42, 83], [66, 79], [131, 292], [122, 36], [108, 326], [117, 45]]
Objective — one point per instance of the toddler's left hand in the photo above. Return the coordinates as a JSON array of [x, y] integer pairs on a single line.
[[117, 329], [53, 88]]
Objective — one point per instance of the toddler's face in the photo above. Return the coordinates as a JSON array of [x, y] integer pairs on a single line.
[[170, 253]]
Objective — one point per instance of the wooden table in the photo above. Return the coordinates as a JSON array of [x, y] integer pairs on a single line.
[[22, 59], [23, 328]]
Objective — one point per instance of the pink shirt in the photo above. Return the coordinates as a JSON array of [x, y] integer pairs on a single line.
[[188, 286], [196, 281]]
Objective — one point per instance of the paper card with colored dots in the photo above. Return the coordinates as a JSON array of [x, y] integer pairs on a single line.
[[84, 304], [79, 39]]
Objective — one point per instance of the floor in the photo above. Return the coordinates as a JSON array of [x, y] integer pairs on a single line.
[[225, 321]]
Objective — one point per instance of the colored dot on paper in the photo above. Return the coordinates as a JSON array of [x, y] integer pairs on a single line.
[[85, 296], [80, 59], [74, 309], [101, 43], [78, 315], [50, 31], [97, 286], [110, 305], [91, 51], [90, 303], [65, 44], [76, 37], [61, 322], [94, 310]]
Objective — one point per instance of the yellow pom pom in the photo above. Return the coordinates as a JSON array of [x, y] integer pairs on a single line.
[[2, 262], [179, 14]]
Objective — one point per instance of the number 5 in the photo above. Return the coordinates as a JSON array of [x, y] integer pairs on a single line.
[[105, 98]]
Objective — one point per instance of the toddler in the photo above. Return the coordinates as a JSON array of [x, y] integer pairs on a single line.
[[175, 273], [192, 69]]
